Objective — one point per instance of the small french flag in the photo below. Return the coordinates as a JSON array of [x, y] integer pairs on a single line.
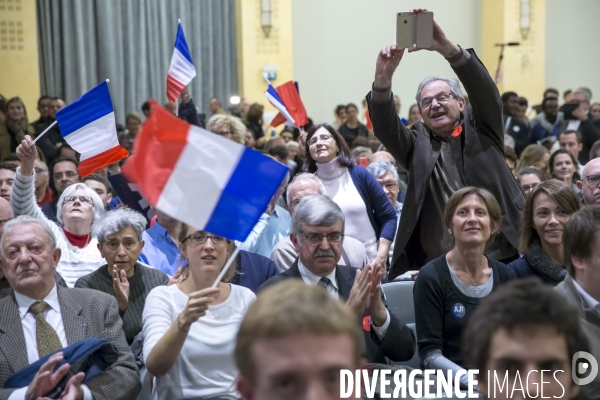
[[274, 99], [286, 99], [182, 70], [202, 179], [88, 126]]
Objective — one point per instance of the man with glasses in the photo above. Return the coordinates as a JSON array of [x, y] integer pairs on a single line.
[[317, 234], [456, 145], [589, 184], [64, 174]]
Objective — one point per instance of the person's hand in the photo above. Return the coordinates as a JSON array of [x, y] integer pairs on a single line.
[[196, 307], [44, 380], [380, 263], [375, 306], [73, 390], [580, 113], [185, 95], [179, 276], [441, 44], [27, 153], [121, 288], [359, 294], [387, 62]]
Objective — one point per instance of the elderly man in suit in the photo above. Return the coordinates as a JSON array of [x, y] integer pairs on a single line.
[[455, 146], [317, 234], [41, 317]]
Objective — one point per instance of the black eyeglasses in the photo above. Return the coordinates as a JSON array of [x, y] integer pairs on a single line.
[[317, 238], [224, 133], [201, 238], [82, 199]]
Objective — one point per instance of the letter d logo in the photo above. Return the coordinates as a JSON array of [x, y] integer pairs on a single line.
[[582, 367]]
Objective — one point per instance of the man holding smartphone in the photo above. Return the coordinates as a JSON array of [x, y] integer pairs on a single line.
[[455, 146]]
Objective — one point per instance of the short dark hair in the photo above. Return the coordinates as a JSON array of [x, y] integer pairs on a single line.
[[339, 108], [351, 105], [571, 132], [43, 97], [510, 154], [550, 90], [11, 157], [547, 100], [7, 165], [146, 107], [280, 152], [51, 169], [99, 178], [507, 95], [533, 171], [521, 303], [580, 234], [345, 158], [523, 101]]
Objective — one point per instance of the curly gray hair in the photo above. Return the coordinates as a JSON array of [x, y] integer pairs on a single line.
[[238, 129], [113, 221]]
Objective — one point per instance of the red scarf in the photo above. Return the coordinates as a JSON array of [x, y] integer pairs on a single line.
[[77, 240]]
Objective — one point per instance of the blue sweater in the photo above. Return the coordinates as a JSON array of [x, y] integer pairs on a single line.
[[379, 209]]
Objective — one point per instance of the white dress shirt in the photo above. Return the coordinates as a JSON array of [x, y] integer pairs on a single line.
[[589, 300], [333, 289], [54, 318]]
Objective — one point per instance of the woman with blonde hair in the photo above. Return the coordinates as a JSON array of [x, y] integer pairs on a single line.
[[228, 126], [190, 327], [534, 155]]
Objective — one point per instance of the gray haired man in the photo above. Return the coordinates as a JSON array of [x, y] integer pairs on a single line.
[[284, 254], [456, 145], [318, 234]]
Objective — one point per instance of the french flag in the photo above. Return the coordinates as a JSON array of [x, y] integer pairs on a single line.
[[182, 70], [273, 97], [286, 99], [88, 125], [200, 178]]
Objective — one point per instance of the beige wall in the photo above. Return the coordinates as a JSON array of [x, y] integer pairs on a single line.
[[336, 44], [19, 68], [573, 45]]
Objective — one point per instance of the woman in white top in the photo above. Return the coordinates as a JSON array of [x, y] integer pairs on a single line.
[[190, 328], [77, 208], [370, 217]]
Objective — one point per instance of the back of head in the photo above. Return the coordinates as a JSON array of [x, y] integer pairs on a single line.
[[292, 308], [303, 177], [532, 154], [520, 304]]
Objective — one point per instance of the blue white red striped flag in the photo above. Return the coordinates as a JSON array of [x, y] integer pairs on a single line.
[[181, 70], [275, 99]]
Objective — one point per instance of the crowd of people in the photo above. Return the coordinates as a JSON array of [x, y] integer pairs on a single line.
[[493, 215]]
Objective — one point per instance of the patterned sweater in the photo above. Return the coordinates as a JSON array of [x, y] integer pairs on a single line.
[[74, 262]]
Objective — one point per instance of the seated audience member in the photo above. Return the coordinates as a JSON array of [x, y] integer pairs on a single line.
[[161, 249], [522, 113], [385, 173], [587, 125], [414, 115], [563, 167], [511, 158], [317, 234], [189, 328], [513, 126], [589, 185], [43, 193], [284, 253], [215, 106], [68, 152], [227, 126], [449, 289], [571, 141], [287, 135], [534, 155], [254, 120], [529, 178], [14, 127], [293, 149], [249, 140], [582, 283], [78, 207], [352, 128], [546, 125], [64, 173], [548, 208], [42, 317], [273, 350], [119, 235], [272, 227], [340, 116], [7, 177], [361, 152], [371, 218], [595, 150], [133, 122], [280, 153], [12, 159], [101, 186], [518, 331], [548, 93]]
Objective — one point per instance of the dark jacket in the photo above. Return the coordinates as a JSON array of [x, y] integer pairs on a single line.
[[254, 270], [49, 210], [590, 133], [478, 155], [437, 299], [379, 209], [399, 341], [349, 135], [537, 263], [519, 131]]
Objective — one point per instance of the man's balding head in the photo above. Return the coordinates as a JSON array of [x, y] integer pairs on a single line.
[[589, 188], [383, 156], [6, 213], [303, 185]]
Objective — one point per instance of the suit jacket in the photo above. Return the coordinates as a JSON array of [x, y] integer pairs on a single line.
[[590, 133], [478, 154], [519, 131], [399, 341], [86, 313]]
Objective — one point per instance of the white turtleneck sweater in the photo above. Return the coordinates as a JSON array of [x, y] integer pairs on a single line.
[[340, 188]]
